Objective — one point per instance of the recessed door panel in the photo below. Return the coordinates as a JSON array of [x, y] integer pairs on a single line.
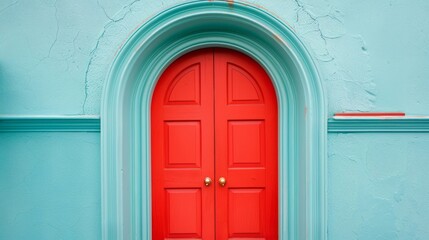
[[242, 87], [246, 210], [214, 149], [246, 143], [183, 144], [183, 212], [185, 87]]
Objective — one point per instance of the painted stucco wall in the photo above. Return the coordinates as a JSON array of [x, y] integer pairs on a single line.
[[371, 55], [378, 186], [50, 186]]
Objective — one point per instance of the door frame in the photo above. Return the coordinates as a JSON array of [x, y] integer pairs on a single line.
[[126, 100]]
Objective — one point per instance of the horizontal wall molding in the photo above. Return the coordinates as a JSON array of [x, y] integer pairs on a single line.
[[386, 125], [50, 123], [91, 123]]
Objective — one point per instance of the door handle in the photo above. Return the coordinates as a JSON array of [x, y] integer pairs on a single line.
[[207, 181], [222, 181]]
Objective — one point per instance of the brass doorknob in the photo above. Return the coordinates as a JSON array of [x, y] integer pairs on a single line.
[[222, 181], [207, 181]]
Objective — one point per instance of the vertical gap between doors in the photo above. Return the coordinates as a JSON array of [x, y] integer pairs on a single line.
[[214, 140]]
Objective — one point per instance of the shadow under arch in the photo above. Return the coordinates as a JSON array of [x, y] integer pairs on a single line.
[[125, 112]]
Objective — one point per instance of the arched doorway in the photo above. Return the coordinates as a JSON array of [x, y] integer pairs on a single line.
[[127, 94], [214, 146]]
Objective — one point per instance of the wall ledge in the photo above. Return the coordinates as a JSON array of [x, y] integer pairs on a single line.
[[378, 125], [91, 123], [49, 123]]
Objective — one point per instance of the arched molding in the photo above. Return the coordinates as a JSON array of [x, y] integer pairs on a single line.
[[125, 113]]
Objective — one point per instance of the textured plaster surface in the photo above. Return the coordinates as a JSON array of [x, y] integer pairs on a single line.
[[44, 49], [50, 186], [54, 55], [378, 186]]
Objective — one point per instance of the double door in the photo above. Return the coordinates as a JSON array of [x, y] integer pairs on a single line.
[[214, 149]]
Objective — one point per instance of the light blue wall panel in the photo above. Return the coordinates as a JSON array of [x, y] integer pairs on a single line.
[[50, 186], [54, 55], [44, 51], [395, 36], [378, 186]]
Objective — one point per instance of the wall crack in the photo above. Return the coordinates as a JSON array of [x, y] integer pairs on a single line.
[[315, 22], [8, 6], [122, 14]]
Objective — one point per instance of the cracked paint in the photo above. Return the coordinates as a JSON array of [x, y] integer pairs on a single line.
[[70, 57], [350, 87], [104, 10], [58, 29], [116, 19], [309, 27], [318, 23], [46, 47], [354, 84], [8, 6]]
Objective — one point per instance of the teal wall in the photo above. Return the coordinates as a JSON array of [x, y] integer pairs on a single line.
[[371, 55], [50, 186], [378, 186]]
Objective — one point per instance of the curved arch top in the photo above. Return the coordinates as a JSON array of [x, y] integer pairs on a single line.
[[126, 100]]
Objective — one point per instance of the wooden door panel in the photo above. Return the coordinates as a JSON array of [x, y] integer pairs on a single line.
[[180, 153], [249, 153], [182, 144], [246, 149], [183, 212], [242, 86], [246, 208], [185, 87]]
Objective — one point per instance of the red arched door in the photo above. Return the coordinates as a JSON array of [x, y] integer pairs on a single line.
[[214, 115]]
